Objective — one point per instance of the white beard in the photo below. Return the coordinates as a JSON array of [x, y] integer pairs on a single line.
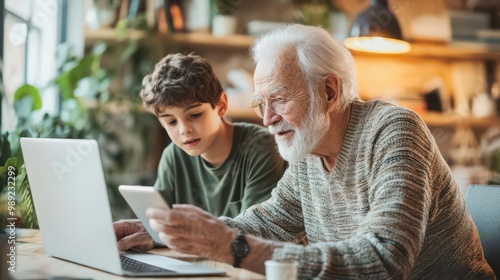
[[314, 126]]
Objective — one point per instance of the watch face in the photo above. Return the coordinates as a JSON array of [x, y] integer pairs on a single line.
[[239, 248]]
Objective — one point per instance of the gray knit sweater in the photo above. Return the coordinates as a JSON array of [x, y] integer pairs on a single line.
[[390, 208]]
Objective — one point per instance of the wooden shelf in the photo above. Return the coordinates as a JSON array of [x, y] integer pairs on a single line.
[[457, 50], [205, 39], [454, 50], [436, 119], [110, 35], [198, 39]]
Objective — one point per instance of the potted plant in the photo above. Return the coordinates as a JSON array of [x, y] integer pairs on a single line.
[[99, 102], [223, 22], [314, 12], [74, 121]]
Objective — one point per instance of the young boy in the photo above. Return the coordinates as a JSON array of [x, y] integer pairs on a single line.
[[221, 167]]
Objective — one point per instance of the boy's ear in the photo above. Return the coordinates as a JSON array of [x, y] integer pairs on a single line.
[[332, 91], [222, 105]]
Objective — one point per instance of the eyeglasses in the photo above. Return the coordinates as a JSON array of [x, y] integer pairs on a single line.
[[276, 105]]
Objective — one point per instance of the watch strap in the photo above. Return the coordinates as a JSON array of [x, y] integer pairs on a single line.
[[237, 262]]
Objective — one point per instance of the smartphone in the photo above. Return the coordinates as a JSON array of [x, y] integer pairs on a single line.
[[140, 198]]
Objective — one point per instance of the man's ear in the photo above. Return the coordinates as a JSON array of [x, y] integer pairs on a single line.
[[222, 105], [332, 91]]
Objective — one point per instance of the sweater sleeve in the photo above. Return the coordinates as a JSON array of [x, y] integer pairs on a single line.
[[390, 237], [278, 218]]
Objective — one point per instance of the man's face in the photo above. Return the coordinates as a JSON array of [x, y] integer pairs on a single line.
[[193, 128], [296, 122]]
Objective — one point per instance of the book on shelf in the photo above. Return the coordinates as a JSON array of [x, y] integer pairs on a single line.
[[150, 13], [123, 13], [174, 16]]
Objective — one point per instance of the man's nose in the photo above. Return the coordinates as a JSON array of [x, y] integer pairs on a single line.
[[270, 117]]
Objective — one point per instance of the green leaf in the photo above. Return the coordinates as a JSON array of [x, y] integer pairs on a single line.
[[11, 162], [224, 7], [132, 47], [15, 162], [495, 160], [99, 48], [31, 92], [68, 80], [25, 199], [23, 109], [121, 29]]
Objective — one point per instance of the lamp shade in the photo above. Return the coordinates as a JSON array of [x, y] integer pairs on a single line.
[[377, 30]]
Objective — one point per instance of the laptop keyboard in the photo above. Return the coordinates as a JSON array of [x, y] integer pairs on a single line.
[[137, 266]]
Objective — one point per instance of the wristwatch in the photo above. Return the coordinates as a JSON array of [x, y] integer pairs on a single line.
[[239, 249]]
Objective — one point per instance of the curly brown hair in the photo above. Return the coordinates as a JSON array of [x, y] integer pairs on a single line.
[[179, 80]]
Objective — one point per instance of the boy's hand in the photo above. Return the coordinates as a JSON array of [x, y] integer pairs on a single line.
[[131, 234], [189, 229]]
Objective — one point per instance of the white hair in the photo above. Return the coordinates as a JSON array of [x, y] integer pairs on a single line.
[[319, 54]]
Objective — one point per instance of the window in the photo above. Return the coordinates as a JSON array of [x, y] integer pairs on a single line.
[[32, 31]]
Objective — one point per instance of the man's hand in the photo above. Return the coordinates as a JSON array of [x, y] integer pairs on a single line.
[[188, 229], [131, 234]]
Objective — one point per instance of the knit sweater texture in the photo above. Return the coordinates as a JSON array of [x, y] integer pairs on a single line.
[[389, 209]]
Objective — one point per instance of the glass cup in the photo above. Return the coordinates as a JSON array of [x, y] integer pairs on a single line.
[[281, 270]]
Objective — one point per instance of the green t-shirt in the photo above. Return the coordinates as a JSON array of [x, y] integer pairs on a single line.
[[247, 177]]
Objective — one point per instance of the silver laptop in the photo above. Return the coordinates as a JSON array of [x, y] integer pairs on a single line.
[[69, 193]]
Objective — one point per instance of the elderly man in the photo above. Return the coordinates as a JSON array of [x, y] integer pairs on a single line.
[[366, 184]]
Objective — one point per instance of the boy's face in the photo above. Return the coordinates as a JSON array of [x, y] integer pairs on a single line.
[[193, 128]]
